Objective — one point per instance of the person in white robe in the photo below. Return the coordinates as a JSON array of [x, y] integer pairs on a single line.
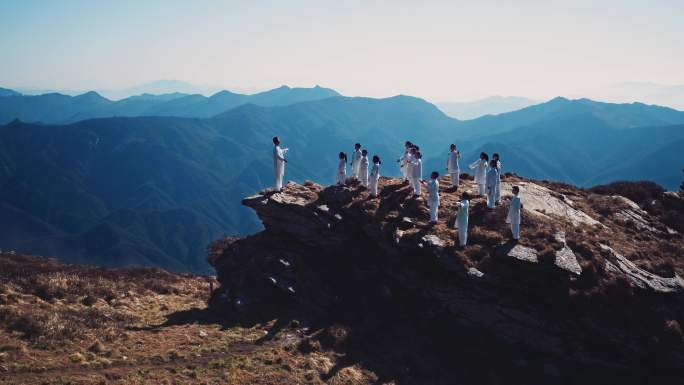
[[417, 172], [342, 169], [375, 176], [495, 156], [278, 164], [403, 160], [514, 213], [462, 219], [433, 197], [480, 167], [363, 168], [492, 181], [409, 166], [356, 161], [452, 165]]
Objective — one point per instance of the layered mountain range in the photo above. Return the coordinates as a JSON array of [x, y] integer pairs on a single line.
[[155, 190]]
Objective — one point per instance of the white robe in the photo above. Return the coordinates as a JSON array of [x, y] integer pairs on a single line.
[[342, 171], [480, 167], [278, 167], [491, 184], [514, 216], [356, 162], [416, 174], [452, 167], [462, 222], [498, 183], [363, 171], [403, 166], [433, 199], [374, 176]]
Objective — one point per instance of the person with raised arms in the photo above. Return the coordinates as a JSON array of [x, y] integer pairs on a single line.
[[480, 167]]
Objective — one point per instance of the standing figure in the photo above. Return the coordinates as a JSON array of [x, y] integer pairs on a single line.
[[417, 172], [342, 169], [409, 165], [492, 181], [356, 161], [462, 219], [374, 176], [452, 165], [433, 197], [278, 164], [495, 156], [363, 168], [514, 213], [403, 160], [480, 167]]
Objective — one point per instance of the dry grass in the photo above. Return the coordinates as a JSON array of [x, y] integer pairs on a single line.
[[68, 324]]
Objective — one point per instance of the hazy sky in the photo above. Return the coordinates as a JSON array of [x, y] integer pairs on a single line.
[[440, 50]]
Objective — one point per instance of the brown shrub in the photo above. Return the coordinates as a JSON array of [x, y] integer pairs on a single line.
[[481, 236], [547, 256], [639, 192]]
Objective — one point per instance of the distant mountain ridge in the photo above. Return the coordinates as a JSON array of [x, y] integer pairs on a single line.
[[156, 190], [492, 105], [56, 108]]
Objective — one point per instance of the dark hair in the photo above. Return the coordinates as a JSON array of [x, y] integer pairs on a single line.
[[343, 155], [495, 155], [493, 164], [452, 145], [515, 189], [276, 139], [435, 174], [408, 143], [418, 154], [357, 145], [465, 195], [364, 151], [376, 159], [417, 148]]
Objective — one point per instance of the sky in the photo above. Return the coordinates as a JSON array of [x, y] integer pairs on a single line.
[[439, 50]]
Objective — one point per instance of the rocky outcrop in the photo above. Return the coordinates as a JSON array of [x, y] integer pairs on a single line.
[[339, 253]]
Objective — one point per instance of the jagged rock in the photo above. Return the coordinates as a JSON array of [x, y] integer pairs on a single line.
[[335, 251], [433, 242], [565, 257], [640, 277], [539, 200], [523, 253]]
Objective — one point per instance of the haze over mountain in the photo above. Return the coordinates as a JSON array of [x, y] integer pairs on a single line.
[[492, 105], [156, 190], [60, 109]]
